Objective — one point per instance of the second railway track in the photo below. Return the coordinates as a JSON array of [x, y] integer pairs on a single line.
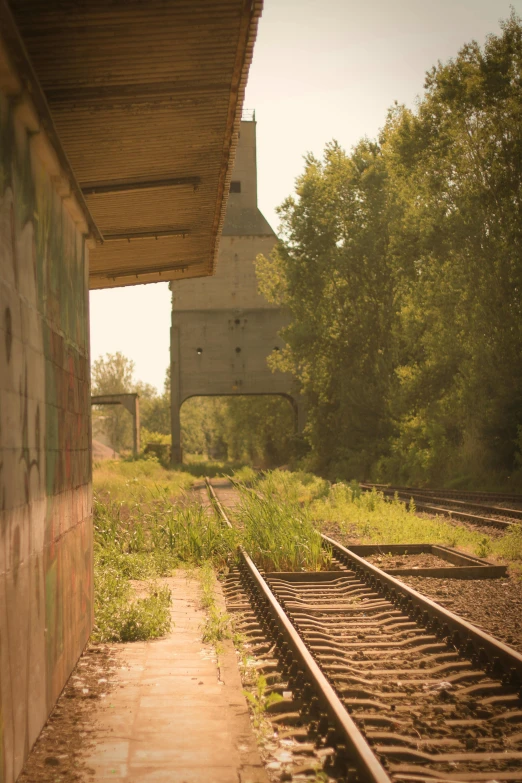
[[459, 506], [402, 688], [475, 496]]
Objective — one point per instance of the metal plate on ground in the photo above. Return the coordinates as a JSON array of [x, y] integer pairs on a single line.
[[463, 566]]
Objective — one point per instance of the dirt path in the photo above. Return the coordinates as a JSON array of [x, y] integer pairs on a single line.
[[162, 710]]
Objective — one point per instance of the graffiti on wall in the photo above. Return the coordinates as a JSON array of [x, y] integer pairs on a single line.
[[45, 473]]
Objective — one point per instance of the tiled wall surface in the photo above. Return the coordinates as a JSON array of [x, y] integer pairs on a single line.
[[45, 473]]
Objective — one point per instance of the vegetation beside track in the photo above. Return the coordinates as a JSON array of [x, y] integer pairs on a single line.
[[276, 529], [145, 526], [366, 516], [376, 520], [138, 479], [217, 627]]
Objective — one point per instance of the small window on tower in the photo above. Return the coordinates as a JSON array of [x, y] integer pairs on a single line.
[[235, 187]]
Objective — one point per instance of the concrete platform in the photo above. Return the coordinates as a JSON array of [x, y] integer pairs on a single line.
[[173, 716]]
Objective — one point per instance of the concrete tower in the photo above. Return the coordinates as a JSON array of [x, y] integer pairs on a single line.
[[222, 329]]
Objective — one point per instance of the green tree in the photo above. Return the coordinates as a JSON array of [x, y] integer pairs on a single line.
[[154, 407], [114, 374], [202, 426], [456, 166], [401, 265], [331, 268], [259, 430], [254, 429]]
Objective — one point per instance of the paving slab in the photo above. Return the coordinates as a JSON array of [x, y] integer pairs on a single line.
[[173, 716]]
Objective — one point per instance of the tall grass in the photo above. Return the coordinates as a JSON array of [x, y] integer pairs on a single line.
[[245, 475], [276, 530], [153, 538], [371, 518], [298, 485], [510, 545], [144, 527], [193, 535], [217, 626], [121, 617], [137, 479]]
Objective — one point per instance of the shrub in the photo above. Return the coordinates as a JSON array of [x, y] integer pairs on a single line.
[[143, 528], [119, 618]]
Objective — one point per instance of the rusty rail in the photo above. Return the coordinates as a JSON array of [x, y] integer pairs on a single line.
[[434, 506], [479, 646], [306, 670], [463, 494], [349, 637]]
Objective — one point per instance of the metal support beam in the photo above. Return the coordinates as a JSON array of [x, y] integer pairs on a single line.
[[130, 402], [112, 274], [163, 232], [96, 189], [134, 93]]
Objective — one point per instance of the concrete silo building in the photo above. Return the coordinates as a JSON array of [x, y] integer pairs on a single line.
[[223, 330]]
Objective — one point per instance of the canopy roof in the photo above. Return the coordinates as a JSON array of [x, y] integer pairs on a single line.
[[146, 98]]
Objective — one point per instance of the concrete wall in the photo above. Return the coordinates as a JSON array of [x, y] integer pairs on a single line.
[[45, 468], [224, 352], [223, 330], [234, 284]]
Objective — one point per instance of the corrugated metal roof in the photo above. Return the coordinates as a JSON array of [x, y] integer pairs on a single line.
[[146, 98]]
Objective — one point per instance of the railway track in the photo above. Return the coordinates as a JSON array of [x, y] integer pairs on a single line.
[[401, 688], [466, 510], [459, 494]]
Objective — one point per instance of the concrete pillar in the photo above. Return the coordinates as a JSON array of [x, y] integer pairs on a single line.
[[222, 329], [132, 404]]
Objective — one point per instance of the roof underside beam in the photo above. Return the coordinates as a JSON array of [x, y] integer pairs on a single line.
[[128, 187], [153, 234], [136, 92]]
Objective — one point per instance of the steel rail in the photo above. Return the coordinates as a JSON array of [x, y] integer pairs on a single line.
[[420, 505], [298, 659], [217, 503], [475, 644], [503, 497], [472, 642], [361, 754], [515, 513]]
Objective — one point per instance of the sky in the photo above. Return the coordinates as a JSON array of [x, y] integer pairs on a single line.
[[322, 70]]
